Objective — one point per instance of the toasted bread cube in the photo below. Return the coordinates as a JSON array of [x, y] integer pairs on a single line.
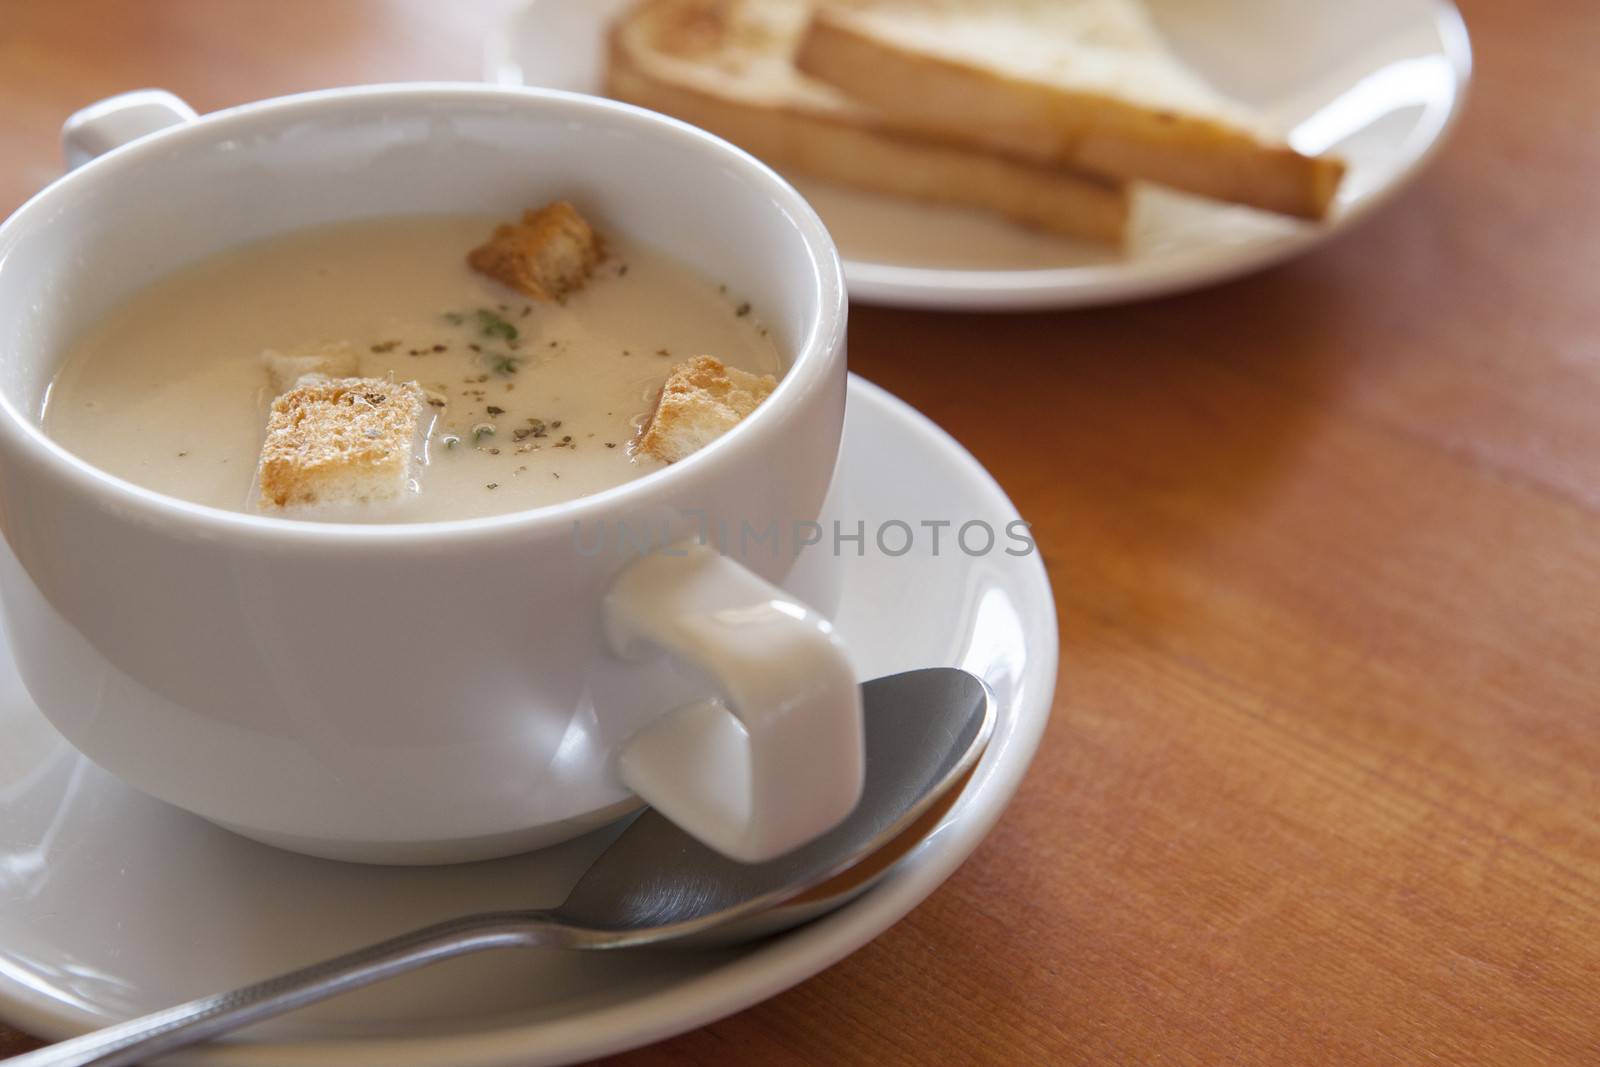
[[547, 255], [342, 441], [332, 359], [701, 400]]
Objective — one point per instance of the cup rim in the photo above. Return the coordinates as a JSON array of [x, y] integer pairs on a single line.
[[806, 371]]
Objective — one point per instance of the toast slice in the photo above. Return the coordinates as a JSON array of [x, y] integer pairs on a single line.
[[701, 400], [727, 66], [1084, 83], [337, 442]]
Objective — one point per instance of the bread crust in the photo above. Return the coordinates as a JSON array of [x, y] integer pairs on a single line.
[[983, 103]]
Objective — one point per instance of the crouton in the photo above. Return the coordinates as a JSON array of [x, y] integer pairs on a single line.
[[286, 366], [342, 441], [701, 400], [547, 255]]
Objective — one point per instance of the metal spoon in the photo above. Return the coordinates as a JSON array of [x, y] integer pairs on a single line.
[[924, 733]]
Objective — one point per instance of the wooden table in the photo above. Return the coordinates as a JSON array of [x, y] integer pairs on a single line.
[[1321, 782]]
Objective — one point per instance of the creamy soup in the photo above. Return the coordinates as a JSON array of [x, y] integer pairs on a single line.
[[533, 403]]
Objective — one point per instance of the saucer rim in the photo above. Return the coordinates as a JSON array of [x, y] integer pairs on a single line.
[[765, 970]]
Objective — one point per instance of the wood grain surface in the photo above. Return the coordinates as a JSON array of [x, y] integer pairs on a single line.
[[1323, 776]]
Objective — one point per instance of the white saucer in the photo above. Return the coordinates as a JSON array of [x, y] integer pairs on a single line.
[[1380, 82], [113, 904]]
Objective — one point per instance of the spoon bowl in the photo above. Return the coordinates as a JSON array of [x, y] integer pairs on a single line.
[[654, 885], [924, 732]]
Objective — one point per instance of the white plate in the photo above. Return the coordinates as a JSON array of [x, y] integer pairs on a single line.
[[113, 904], [1380, 82]]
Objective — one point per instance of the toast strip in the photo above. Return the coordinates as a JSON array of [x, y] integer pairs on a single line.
[[806, 132], [1184, 136]]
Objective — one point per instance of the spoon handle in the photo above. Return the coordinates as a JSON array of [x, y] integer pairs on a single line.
[[164, 1031]]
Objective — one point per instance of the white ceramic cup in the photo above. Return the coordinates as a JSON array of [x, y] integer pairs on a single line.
[[429, 692]]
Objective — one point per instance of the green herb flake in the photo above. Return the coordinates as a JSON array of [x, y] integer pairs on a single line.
[[454, 318], [492, 325], [506, 365]]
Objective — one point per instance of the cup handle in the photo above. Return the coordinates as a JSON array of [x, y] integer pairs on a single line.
[[780, 760], [116, 120]]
